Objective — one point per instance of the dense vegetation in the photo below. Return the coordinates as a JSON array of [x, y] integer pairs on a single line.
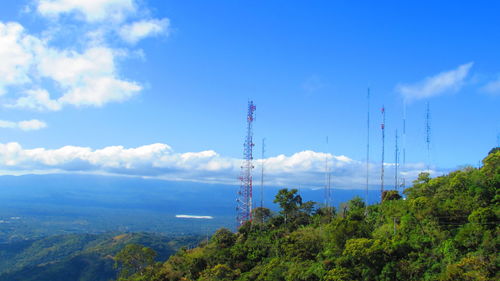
[[77, 256], [445, 229]]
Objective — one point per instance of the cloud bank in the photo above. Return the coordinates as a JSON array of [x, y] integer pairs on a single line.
[[447, 81], [39, 73], [28, 125], [87, 10], [160, 161]]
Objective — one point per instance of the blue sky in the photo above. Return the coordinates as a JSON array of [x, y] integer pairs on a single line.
[[134, 73]]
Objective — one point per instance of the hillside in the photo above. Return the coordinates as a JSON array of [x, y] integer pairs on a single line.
[[77, 256], [447, 228]]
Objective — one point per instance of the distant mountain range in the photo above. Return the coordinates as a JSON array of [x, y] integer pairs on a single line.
[[58, 204]]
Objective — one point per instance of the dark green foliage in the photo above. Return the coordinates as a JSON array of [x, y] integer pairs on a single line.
[[134, 260], [390, 195], [294, 212], [83, 257], [81, 267], [261, 215], [446, 229]]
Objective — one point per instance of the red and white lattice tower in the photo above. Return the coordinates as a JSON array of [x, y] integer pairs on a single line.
[[244, 208]]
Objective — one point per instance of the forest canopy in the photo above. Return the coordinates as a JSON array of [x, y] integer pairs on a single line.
[[442, 228]]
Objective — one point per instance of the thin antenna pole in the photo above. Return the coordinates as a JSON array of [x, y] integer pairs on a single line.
[[428, 135], [327, 178], [262, 174], [367, 146], [396, 161], [382, 126], [403, 167], [330, 203]]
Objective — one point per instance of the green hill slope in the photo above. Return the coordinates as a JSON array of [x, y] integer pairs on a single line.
[[447, 228], [77, 256]]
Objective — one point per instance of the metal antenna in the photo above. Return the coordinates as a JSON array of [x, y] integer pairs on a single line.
[[244, 208], [262, 174], [428, 135], [327, 179], [382, 126], [403, 167], [367, 146], [396, 162]]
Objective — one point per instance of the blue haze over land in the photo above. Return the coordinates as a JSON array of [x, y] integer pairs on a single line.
[[73, 203]]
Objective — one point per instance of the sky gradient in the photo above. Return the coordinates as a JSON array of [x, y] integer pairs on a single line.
[[159, 88]]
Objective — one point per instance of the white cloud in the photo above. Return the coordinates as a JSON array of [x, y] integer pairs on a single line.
[[7, 124], [46, 76], [87, 10], [87, 78], [194, 217], [159, 161], [132, 33], [28, 125], [31, 125], [37, 99], [493, 87], [443, 82], [16, 55]]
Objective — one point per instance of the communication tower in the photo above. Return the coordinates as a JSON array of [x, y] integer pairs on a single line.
[[262, 174], [403, 166], [367, 146], [428, 136], [328, 191], [396, 163], [244, 201], [382, 127]]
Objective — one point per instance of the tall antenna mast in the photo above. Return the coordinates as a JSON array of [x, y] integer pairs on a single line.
[[244, 208], [403, 167], [428, 135], [382, 126], [327, 180], [396, 161], [262, 174], [367, 146]]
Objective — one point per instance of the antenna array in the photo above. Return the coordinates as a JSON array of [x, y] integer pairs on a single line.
[[244, 201]]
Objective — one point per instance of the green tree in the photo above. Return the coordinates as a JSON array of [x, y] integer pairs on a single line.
[[261, 215], [134, 259], [293, 209], [289, 202], [223, 238]]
